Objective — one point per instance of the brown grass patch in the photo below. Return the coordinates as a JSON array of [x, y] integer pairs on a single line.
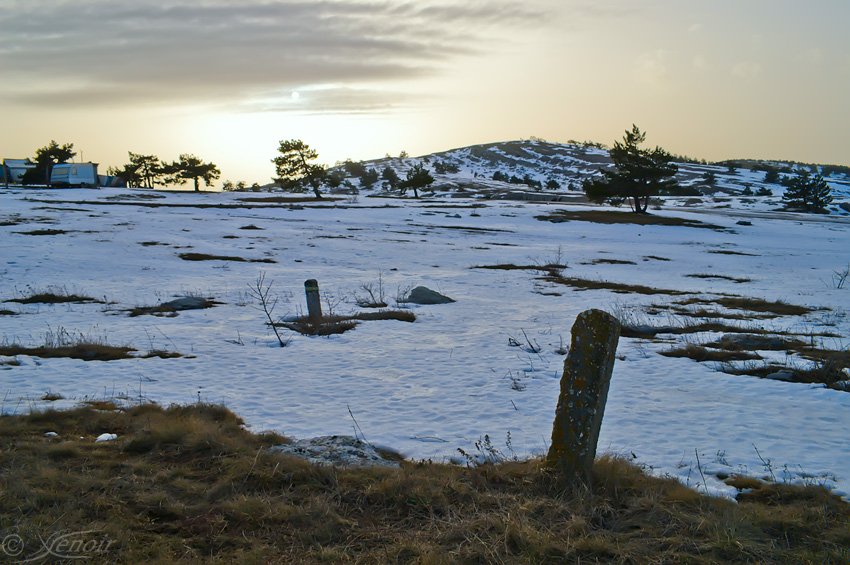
[[190, 484], [712, 314], [609, 217], [509, 267], [612, 262], [618, 288], [778, 307], [649, 332], [827, 374], [655, 258], [208, 257], [7, 312], [756, 342], [702, 354], [738, 280], [742, 482], [43, 232], [289, 199], [331, 325], [82, 350], [730, 252], [151, 243], [161, 354], [841, 358], [56, 297], [553, 274]]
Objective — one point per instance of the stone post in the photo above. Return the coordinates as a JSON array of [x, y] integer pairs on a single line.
[[584, 390], [314, 303]]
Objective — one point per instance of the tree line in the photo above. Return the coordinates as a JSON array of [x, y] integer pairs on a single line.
[[636, 174], [149, 171], [297, 171], [142, 171]]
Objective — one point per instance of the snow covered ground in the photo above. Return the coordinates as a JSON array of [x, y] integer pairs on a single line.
[[446, 380]]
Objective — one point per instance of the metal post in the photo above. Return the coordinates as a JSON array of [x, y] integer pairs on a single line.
[[314, 302]]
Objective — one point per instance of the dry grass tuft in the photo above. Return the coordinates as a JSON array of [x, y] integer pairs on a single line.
[[332, 325], [289, 199], [61, 343], [55, 296], [604, 261], [43, 232], [778, 307], [701, 354], [729, 252], [554, 273], [190, 484], [86, 351], [738, 280]]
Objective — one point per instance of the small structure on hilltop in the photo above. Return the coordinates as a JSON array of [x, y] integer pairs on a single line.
[[13, 170]]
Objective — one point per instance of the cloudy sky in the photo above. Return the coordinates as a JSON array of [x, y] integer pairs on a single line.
[[361, 78]]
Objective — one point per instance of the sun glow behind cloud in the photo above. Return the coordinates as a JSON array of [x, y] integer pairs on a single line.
[[360, 78]]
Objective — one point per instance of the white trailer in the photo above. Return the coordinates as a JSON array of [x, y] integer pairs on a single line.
[[74, 174]]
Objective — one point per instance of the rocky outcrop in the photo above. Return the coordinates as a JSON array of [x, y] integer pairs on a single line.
[[338, 451]]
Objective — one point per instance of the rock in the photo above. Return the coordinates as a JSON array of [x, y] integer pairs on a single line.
[[845, 206], [644, 331], [339, 451], [754, 342], [744, 223], [584, 391], [106, 437], [783, 375], [188, 303], [424, 295], [51, 434]]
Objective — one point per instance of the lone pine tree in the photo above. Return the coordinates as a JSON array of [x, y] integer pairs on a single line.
[[636, 175], [807, 192], [295, 171]]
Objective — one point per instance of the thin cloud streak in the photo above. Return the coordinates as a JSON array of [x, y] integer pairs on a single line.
[[127, 52]]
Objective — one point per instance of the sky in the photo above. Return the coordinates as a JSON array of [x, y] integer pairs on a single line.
[[227, 80]]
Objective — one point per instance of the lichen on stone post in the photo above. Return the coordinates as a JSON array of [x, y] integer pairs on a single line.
[[584, 391]]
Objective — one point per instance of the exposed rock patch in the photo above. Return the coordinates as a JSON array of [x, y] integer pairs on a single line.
[[339, 451]]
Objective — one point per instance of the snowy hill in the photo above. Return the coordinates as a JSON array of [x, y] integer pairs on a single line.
[[539, 170]]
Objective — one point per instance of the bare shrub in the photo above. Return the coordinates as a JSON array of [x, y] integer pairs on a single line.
[[260, 291]]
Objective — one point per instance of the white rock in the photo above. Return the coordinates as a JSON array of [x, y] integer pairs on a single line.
[[342, 451], [51, 434], [106, 437]]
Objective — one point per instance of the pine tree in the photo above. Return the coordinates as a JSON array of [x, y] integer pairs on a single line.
[[294, 170], [809, 193], [391, 178], [417, 177], [637, 173]]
